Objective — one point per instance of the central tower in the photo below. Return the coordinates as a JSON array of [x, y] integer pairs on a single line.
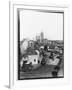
[[42, 36]]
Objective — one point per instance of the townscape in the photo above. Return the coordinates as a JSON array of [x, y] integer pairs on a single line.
[[41, 57]]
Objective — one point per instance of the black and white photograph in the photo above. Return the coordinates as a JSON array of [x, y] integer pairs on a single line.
[[40, 44]]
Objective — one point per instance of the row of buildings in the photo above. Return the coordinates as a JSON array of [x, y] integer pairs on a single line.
[[32, 49], [40, 41]]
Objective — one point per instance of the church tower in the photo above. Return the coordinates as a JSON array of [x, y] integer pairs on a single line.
[[42, 36]]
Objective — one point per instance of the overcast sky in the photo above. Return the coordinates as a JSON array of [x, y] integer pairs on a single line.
[[33, 22]]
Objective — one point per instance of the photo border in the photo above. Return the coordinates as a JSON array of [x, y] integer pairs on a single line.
[[44, 11]]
